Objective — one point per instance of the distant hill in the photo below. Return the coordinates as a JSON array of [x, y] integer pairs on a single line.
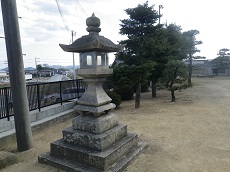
[[27, 68], [63, 67], [52, 66], [30, 68]]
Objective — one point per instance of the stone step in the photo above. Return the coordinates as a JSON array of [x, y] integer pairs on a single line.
[[72, 166], [100, 160], [63, 164], [95, 141]]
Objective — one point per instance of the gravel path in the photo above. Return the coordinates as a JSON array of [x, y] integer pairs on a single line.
[[190, 135]]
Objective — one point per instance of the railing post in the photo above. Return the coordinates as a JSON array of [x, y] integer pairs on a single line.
[[7, 104], [60, 91], [77, 88], [38, 96]]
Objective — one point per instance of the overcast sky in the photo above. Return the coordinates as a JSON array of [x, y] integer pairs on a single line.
[[42, 28]]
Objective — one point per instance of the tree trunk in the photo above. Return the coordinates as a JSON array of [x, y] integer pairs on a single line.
[[173, 95], [190, 68], [154, 88], [138, 96]]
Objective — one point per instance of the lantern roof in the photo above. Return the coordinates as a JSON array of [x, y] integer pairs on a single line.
[[93, 41]]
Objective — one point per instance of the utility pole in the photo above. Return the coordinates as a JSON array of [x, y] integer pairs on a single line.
[[160, 7], [190, 60], [36, 67], [17, 75], [73, 33]]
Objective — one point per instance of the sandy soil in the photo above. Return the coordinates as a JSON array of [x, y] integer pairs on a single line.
[[190, 135]]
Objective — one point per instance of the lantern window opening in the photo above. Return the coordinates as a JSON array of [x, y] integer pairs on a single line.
[[99, 61], [89, 60]]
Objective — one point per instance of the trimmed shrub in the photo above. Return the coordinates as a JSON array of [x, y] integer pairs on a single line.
[[126, 92], [107, 85], [116, 99], [185, 85]]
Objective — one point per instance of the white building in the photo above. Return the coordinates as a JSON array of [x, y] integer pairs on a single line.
[[3, 76]]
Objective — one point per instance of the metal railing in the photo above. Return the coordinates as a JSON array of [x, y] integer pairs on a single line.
[[42, 95]]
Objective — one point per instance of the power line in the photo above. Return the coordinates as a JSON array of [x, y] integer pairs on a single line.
[[53, 62], [82, 7], [57, 60], [62, 16]]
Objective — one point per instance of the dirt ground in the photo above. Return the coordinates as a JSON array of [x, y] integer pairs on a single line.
[[190, 135]]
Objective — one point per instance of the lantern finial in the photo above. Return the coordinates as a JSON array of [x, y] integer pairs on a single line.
[[93, 24]]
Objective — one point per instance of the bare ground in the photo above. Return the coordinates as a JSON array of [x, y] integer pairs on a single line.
[[190, 135]]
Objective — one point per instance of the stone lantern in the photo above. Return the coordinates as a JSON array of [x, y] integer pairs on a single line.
[[94, 67], [96, 141]]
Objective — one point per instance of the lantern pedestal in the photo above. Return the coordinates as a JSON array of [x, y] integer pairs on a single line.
[[94, 144], [96, 111], [94, 100]]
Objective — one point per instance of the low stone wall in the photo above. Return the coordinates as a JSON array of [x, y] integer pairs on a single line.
[[47, 116]]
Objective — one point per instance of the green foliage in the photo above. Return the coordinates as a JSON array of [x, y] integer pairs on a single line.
[[190, 44], [175, 71], [144, 41], [141, 21], [39, 67], [131, 75], [149, 47], [174, 76], [126, 92], [191, 49], [116, 98], [176, 43], [222, 62], [174, 49], [185, 85]]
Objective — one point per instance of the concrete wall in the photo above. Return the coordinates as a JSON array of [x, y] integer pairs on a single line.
[[48, 116]]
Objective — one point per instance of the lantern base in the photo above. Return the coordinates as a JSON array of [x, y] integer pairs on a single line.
[[94, 144], [95, 72], [96, 110]]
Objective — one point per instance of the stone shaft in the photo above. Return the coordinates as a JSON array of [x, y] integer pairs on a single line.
[[95, 94]]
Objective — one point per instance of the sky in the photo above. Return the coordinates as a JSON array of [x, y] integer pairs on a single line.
[[42, 28]]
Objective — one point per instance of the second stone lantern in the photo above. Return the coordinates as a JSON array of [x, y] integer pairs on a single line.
[[94, 67]]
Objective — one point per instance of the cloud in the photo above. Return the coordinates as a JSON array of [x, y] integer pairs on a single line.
[[42, 27], [49, 7]]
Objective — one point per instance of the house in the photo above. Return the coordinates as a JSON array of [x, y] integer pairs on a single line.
[[3, 76], [32, 72], [201, 67], [41, 73], [28, 77], [46, 72]]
